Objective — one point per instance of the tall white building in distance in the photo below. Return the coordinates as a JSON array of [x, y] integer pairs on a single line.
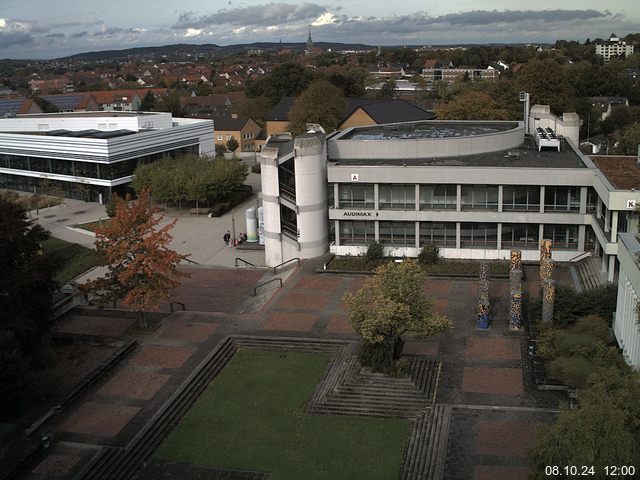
[[613, 48]]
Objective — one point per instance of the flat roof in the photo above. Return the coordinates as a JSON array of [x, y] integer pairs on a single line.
[[622, 172], [430, 129], [524, 156], [89, 114]]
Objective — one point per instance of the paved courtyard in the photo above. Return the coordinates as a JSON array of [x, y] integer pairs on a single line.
[[485, 376]]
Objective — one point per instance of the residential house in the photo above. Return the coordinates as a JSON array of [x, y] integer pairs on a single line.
[[10, 107], [243, 129], [73, 102], [606, 104]]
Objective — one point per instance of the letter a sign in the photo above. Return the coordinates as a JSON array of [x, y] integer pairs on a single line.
[[354, 177]]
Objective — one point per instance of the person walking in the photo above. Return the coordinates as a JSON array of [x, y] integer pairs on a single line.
[[226, 237]]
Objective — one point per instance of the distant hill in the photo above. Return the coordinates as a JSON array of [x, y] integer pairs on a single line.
[[208, 49]]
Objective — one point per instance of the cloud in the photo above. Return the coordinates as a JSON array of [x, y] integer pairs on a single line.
[[257, 15], [13, 33]]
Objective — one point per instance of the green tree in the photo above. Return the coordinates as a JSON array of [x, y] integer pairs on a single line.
[[148, 102], [141, 268], [472, 105], [388, 89], [548, 84], [630, 140], [256, 108], [321, 103], [170, 103], [604, 430], [232, 144], [351, 79], [390, 304], [285, 80], [26, 296]]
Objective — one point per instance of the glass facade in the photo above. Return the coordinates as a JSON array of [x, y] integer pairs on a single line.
[[479, 197], [562, 199], [520, 198], [441, 234], [520, 235], [400, 196], [564, 237], [356, 195], [398, 233], [479, 235], [438, 197], [75, 168], [288, 222], [357, 233], [287, 179]]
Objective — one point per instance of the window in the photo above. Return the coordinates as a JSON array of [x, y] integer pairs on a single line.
[[397, 196], [562, 199], [219, 138], [590, 241], [438, 197], [440, 234], [330, 199], [398, 233], [288, 222], [357, 233], [479, 197], [520, 198], [478, 235], [356, 195], [564, 237], [521, 235], [592, 200], [228, 137]]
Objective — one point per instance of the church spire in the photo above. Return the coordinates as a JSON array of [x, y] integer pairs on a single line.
[[309, 42]]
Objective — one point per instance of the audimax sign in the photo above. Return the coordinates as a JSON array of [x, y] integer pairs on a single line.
[[356, 213]]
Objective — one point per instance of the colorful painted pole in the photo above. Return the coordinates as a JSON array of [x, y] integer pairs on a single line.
[[548, 300]]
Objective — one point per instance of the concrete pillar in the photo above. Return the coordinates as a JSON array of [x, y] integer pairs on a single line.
[[541, 202], [458, 233], [458, 198], [612, 268], [273, 251], [337, 232], [583, 200], [336, 195], [376, 229], [417, 196], [311, 195], [614, 226], [499, 235], [500, 199], [540, 232], [603, 263], [375, 197], [582, 233], [417, 243]]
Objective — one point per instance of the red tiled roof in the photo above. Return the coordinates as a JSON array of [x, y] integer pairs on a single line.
[[622, 172]]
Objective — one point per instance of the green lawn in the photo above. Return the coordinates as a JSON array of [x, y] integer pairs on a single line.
[[74, 259], [252, 417]]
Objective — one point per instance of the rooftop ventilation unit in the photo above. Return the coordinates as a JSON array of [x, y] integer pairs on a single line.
[[547, 138]]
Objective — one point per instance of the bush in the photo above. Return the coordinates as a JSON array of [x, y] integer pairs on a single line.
[[593, 325], [220, 149], [546, 342], [429, 254], [110, 206], [568, 344], [375, 252], [219, 209], [255, 168], [572, 371]]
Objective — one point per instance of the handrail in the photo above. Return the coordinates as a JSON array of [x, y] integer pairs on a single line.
[[243, 261], [578, 256], [255, 289], [275, 269], [190, 261]]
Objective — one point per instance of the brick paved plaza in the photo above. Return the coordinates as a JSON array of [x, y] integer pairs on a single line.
[[485, 376]]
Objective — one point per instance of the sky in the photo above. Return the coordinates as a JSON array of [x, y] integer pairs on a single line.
[[57, 28]]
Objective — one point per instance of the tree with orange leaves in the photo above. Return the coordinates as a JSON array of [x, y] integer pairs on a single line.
[[141, 269]]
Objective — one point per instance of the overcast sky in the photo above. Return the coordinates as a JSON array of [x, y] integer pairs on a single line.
[[56, 28]]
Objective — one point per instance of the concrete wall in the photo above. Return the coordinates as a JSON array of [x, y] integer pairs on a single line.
[[568, 126], [428, 147], [274, 246], [625, 326]]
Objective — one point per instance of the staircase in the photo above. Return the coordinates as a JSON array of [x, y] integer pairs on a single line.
[[588, 273], [425, 459]]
